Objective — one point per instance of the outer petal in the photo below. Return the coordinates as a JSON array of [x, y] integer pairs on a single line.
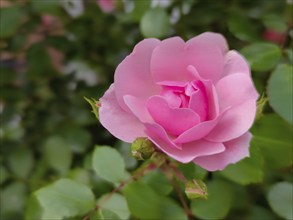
[[134, 70], [235, 63], [174, 121], [172, 57], [235, 89], [210, 39], [188, 152], [118, 122], [235, 122], [138, 108], [236, 150]]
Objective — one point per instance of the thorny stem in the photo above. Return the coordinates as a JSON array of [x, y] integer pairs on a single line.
[[175, 172]]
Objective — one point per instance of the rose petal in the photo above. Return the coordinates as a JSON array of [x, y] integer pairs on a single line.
[[235, 63], [234, 123], [138, 108], [210, 39], [134, 70], [175, 121], [188, 152], [235, 89], [236, 150], [199, 101], [199, 131], [170, 60], [118, 122], [213, 100]]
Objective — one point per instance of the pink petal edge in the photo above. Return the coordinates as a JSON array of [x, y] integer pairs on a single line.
[[118, 122]]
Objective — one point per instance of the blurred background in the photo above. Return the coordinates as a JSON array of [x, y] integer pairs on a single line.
[[55, 52]]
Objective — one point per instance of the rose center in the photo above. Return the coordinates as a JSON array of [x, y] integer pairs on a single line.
[[187, 95]]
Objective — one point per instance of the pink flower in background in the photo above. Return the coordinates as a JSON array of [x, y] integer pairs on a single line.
[[274, 36], [194, 100], [48, 20], [106, 6]]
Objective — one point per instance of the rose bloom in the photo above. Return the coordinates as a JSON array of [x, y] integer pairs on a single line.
[[194, 100]]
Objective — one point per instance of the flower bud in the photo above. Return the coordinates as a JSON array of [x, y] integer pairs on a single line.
[[196, 189], [142, 148]]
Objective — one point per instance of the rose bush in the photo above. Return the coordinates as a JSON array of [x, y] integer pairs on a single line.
[[194, 100]]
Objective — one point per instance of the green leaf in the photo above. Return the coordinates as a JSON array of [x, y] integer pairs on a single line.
[[78, 139], [249, 170], [242, 27], [281, 200], [12, 200], [274, 143], [10, 19], [62, 199], [125, 151], [80, 175], [155, 23], [217, 205], [58, 154], [45, 6], [145, 203], [262, 56], [142, 201], [103, 214], [192, 171], [258, 212], [158, 181], [3, 174], [94, 104], [21, 162], [109, 164], [275, 22], [38, 61], [140, 7], [171, 210], [116, 204], [281, 99]]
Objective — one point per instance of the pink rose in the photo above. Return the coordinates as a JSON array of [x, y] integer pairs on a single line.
[[194, 100], [106, 6]]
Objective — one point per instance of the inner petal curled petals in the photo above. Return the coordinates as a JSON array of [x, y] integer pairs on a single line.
[[172, 98], [135, 70], [212, 99], [235, 150], [174, 121], [117, 121], [199, 101], [199, 131], [187, 152]]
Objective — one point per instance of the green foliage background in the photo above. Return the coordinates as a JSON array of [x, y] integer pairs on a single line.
[[49, 165]]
